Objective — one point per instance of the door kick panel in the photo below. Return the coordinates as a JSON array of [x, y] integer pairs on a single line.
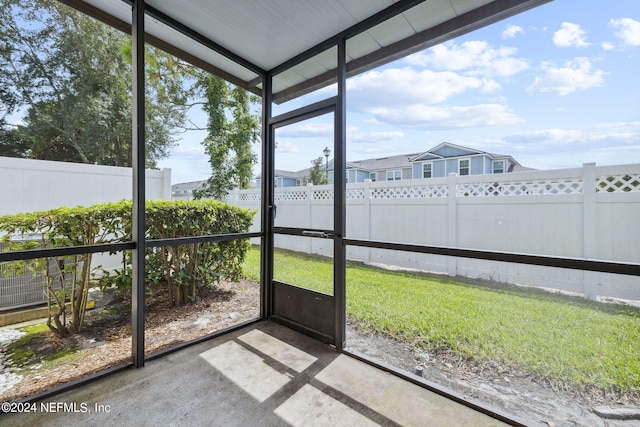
[[305, 310]]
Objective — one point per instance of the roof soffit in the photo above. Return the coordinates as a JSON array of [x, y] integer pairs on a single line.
[[239, 40]]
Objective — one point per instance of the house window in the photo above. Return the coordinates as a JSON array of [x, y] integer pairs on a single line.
[[463, 167], [394, 175], [498, 166], [373, 176], [426, 170]]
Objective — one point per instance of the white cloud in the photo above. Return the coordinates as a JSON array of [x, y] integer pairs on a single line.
[[473, 57], [511, 31], [607, 46], [442, 117], [306, 129], [570, 35], [550, 136], [405, 85], [602, 143], [573, 75], [374, 137], [284, 146], [628, 30]]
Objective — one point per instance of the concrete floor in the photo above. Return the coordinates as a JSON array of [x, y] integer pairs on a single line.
[[262, 375]]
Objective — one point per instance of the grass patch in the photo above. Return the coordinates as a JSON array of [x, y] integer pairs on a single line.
[[19, 351], [23, 351], [64, 355], [550, 335]]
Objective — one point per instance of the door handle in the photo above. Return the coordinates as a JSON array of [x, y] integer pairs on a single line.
[[321, 234]]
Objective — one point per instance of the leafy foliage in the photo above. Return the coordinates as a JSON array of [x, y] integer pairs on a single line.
[[185, 269], [228, 143], [12, 144], [318, 173], [67, 278], [71, 76]]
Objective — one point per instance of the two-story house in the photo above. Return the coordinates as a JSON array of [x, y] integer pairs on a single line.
[[439, 161], [447, 158]]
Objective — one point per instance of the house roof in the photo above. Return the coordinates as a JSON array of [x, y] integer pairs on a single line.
[[381, 163], [454, 150], [437, 152], [188, 185], [296, 40], [279, 173]]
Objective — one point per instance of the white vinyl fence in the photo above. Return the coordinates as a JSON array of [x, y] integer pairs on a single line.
[[589, 212], [28, 185]]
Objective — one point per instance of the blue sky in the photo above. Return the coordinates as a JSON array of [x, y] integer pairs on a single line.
[[554, 87]]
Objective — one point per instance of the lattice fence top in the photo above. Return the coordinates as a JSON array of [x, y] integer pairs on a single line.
[[618, 183], [248, 197], [356, 194], [605, 182], [409, 192], [291, 195], [521, 188], [322, 195]]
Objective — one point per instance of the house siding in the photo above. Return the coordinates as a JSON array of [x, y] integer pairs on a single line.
[[451, 166], [417, 171], [286, 182], [451, 152], [362, 175], [476, 167]]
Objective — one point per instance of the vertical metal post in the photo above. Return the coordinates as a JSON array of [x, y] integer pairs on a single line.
[[339, 208], [138, 163], [267, 201]]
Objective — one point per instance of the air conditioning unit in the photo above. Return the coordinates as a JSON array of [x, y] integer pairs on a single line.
[[26, 289]]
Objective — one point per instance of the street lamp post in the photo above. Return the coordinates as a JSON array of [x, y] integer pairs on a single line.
[[327, 152]]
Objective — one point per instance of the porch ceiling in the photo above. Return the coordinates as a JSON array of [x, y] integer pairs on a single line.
[[294, 39]]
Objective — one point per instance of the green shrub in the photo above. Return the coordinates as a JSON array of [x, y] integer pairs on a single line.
[[67, 279], [185, 269]]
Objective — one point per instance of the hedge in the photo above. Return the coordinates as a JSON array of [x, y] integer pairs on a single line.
[[185, 269]]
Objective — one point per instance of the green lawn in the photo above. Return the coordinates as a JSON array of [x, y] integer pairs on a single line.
[[565, 338]]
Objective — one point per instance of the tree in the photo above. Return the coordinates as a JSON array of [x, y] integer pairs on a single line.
[[318, 172], [72, 77], [228, 143], [12, 144]]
